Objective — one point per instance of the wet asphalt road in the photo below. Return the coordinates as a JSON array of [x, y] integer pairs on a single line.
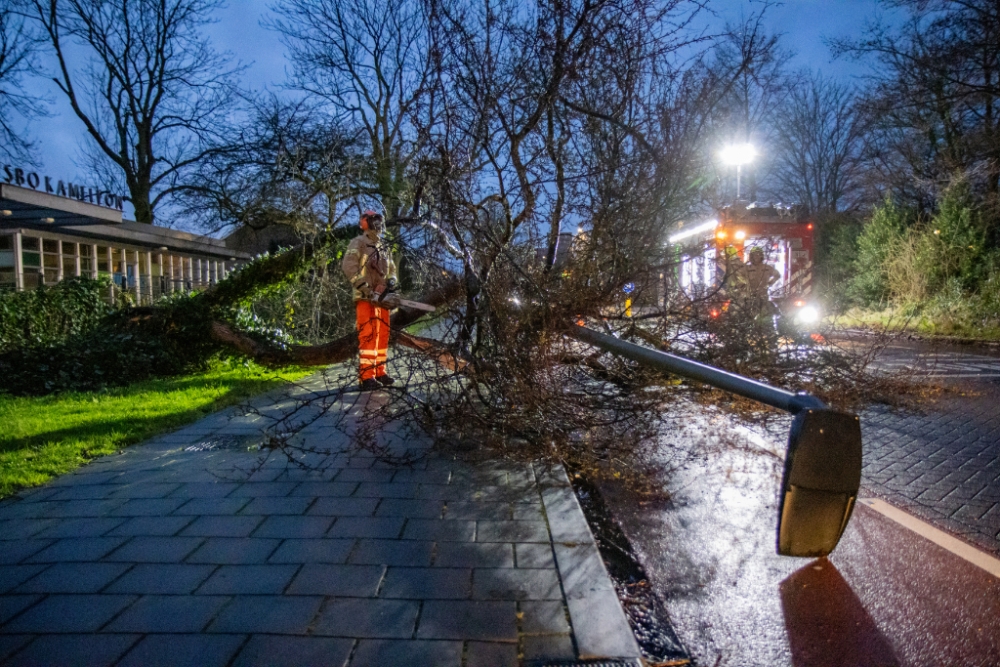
[[886, 596]]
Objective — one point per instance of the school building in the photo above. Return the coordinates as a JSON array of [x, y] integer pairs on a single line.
[[46, 237]]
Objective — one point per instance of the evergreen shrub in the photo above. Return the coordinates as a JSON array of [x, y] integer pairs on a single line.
[[50, 315]]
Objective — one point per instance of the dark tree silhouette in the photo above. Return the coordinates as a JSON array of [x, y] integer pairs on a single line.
[[935, 96], [754, 62], [289, 164], [152, 93], [367, 64], [819, 143], [19, 50]]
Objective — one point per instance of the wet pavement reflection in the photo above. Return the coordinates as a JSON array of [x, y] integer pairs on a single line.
[[885, 597]]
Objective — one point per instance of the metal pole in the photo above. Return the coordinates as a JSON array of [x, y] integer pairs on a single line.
[[822, 473], [758, 391]]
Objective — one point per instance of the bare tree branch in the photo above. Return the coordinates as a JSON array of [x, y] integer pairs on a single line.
[[153, 95]]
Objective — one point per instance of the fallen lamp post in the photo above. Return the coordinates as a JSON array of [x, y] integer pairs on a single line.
[[822, 470]]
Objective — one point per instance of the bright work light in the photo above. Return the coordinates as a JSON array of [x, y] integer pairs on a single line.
[[738, 154]]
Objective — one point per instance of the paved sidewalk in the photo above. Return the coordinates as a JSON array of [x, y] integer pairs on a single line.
[[166, 554]]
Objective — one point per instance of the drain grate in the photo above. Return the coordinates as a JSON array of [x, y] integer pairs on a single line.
[[645, 612], [594, 663]]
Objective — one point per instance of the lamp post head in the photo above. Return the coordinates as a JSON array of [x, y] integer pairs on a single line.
[[738, 154]]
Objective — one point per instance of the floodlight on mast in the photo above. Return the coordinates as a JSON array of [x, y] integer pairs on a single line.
[[739, 155]]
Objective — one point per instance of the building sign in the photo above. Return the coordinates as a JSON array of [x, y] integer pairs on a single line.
[[21, 178]]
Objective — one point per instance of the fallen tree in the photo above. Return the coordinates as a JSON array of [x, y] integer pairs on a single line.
[[184, 331], [343, 348]]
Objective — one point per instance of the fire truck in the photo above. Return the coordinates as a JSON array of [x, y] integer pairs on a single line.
[[784, 233]]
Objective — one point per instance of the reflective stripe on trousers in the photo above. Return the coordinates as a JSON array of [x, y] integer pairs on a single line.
[[373, 338]]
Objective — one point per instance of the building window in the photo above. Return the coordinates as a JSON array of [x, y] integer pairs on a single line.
[[30, 257], [102, 260], [86, 261], [50, 261], [7, 278], [118, 269], [31, 261], [68, 259]]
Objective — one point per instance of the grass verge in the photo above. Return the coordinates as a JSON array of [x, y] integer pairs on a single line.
[[898, 319], [52, 435]]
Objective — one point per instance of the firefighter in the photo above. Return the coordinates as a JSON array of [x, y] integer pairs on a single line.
[[755, 279], [369, 267], [759, 276]]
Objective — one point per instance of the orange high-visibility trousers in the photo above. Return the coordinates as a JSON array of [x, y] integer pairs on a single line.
[[373, 339]]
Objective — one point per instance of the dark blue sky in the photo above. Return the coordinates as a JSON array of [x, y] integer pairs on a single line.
[[805, 24]]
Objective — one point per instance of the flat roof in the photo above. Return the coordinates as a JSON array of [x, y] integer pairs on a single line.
[[26, 205], [30, 210]]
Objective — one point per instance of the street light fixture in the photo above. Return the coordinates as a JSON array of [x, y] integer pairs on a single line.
[[739, 155]]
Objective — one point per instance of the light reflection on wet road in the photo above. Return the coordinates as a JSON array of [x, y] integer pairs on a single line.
[[885, 597]]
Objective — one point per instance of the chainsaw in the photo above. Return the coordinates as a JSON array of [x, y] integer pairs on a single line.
[[406, 303], [416, 305]]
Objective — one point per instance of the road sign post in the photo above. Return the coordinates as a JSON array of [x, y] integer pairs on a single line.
[[628, 288]]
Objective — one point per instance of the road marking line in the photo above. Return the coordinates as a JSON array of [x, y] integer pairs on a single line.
[[938, 537]]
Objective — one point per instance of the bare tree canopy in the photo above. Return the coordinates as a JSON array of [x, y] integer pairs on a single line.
[[19, 50], [935, 96], [756, 64], [818, 146], [369, 65], [289, 164], [152, 93], [544, 153]]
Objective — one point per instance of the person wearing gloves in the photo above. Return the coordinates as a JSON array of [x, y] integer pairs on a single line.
[[369, 267]]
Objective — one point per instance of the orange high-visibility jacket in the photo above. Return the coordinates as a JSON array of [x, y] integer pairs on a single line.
[[368, 261]]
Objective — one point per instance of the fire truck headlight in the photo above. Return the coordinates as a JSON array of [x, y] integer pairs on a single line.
[[807, 315]]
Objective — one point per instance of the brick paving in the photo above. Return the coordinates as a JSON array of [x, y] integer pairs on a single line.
[[163, 555], [941, 463]]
